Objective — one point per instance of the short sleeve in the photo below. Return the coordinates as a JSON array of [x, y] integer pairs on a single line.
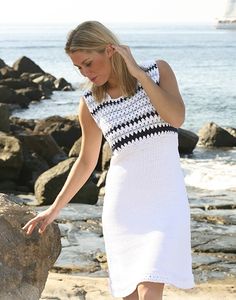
[[151, 68], [92, 105]]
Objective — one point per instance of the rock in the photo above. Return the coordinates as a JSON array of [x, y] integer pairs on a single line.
[[106, 156], [75, 150], [7, 185], [102, 179], [49, 184], [63, 130], [25, 260], [11, 157], [8, 72], [231, 130], [45, 146], [19, 125], [187, 141], [2, 63], [46, 83], [4, 118], [34, 94], [216, 216], [9, 96], [33, 166], [25, 64], [17, 83], [5, 93], [213, 135], [62, 85]]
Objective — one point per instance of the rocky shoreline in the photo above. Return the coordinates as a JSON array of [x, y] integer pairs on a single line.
[[36, 156]]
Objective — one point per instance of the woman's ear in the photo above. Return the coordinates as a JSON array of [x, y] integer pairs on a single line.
[[109, 50]]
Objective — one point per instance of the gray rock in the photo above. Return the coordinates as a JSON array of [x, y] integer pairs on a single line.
[[11, 157], [212, 135], [49, 184], [25, 260], [187, 141]]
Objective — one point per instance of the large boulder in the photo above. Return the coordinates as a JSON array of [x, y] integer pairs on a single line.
[[11, 157], [24, 259], [187, 141], [212, 135], [25, 64], [49, 184]]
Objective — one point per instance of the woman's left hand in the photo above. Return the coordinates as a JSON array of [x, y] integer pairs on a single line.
[[125, 52]]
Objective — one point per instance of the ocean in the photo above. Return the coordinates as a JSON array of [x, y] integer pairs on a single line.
[[204, 62]]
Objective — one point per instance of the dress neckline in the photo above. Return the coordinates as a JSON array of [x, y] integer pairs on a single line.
[[108, 97]]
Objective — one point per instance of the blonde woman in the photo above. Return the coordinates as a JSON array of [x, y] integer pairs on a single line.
[[146, 215]]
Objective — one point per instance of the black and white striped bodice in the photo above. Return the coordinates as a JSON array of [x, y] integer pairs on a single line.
[[126, 120]]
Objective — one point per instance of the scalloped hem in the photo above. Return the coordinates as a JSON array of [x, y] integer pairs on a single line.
[[162, 279]]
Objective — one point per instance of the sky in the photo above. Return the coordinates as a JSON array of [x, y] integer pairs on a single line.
[[119, 11]]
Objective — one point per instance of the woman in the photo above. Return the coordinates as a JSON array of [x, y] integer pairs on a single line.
[[146, 214]]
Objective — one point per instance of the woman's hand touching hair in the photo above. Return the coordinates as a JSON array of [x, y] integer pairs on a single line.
[[131, 64]]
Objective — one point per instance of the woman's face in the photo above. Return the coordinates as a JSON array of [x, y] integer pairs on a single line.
[[94, 65]]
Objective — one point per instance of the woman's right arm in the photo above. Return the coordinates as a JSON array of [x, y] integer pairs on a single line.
[[79, 173]]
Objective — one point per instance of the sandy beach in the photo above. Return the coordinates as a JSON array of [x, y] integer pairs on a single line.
[[63, 287]]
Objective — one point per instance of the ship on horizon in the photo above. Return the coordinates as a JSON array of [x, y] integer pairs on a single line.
[[228, 21]]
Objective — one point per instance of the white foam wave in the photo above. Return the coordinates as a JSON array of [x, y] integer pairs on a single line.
[[209, 174]]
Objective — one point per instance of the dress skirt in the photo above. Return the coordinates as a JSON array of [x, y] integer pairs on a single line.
[[146, 216]]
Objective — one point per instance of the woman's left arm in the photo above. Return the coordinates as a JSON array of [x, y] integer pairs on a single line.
[[165, 97]]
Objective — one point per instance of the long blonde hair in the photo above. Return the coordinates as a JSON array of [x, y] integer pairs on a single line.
[[94, 36]]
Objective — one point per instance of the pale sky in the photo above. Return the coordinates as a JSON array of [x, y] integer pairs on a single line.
[[119, 11]]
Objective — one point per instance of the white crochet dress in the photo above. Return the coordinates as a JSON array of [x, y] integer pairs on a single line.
[[146, 214]]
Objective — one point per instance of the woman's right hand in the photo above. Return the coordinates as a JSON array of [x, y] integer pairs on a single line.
[[44, 218]]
